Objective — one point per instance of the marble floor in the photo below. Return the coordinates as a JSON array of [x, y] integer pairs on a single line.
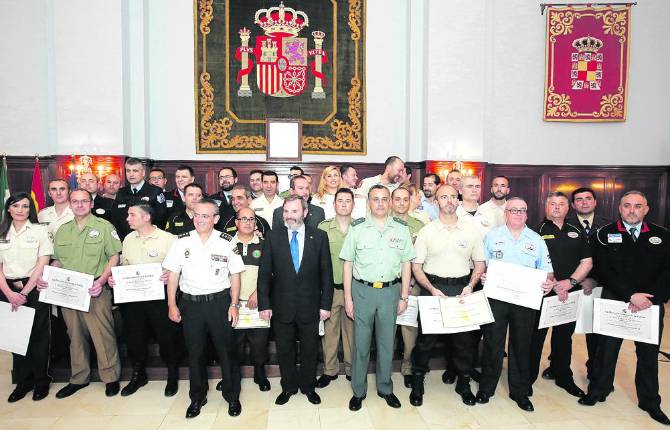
[[442, 409]]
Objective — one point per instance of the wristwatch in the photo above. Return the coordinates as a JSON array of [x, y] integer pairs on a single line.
[[235, 305], [405, 299], [573, 282]]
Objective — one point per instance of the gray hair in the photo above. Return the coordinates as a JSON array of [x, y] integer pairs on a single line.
[[295, 197]]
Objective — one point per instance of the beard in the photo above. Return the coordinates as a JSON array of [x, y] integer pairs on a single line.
[[294, 225], [495, 196], [227, 188]]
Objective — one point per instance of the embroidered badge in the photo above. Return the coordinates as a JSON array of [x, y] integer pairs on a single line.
[[655, 240], [100, 211], [187, 253], [93, 233], [152, 253], [256, 253], [573, 234], [115, 235], [145, 199]]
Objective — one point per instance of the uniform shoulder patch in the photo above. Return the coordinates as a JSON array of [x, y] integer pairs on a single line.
[[226, 236], [400, 221], [358, 221], [182, 235]]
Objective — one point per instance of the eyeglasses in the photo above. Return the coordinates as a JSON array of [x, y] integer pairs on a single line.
[[517, 211], [226, 177], [155, 178], [245, 219]]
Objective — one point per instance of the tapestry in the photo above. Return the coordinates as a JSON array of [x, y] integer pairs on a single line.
[[258, 59], [587, 63]]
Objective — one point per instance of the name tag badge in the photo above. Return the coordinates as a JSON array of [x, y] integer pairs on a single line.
[[123, 205], [178, 224], [614, 238], [573, 234], [93, 233], [100, 211], [655, 240], [219, 258], [169, 203]]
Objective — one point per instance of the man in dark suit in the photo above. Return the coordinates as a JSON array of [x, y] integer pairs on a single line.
[[315, 214], [295, 289], [174, 199]]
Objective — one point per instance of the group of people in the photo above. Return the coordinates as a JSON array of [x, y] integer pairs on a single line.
[[347, 256]]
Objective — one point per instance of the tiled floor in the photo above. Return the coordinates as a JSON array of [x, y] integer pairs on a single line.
[[148, 409]]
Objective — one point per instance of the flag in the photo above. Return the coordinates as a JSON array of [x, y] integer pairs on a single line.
[[36, 191], [4, 187], [73, 177]]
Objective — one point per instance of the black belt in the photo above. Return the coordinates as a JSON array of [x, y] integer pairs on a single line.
[[379, 284], [338, 286], [199, 298], [10, 282], [448, 281]]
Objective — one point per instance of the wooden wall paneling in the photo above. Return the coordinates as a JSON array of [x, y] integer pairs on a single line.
[[652, 182], [525, 182]]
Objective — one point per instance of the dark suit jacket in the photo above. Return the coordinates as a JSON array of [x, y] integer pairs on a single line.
[[598, 221], [295, 296], [315, 215], [102, 207]]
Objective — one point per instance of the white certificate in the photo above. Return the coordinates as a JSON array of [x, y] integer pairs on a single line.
[[411, 314], [585, 319], [15, 328], [138, 283], [250, 318], [67, 288], [613, 318], [554, 312], [470, 310], [513, 283], [430, 312]]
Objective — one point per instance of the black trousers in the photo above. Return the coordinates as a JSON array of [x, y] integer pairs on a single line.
[[521, 321], [33, 369], [458, 351], [286, 335], [257, 338], [200, 319], [561, 351], [646, 370], [138, 319], [591, 347]]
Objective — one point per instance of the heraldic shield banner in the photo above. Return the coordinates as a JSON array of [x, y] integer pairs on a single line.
[[587, 63], [258, 59]]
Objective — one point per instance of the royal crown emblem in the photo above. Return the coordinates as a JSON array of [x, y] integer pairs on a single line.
[[281, 56], [587, 64]]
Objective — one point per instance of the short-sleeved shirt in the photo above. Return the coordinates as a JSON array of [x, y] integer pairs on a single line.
[[204, 267], [368, 183], [377, 255], [481, 220], [414, 225], [52, 220], [495, 211], [335, 241], [446, 251], [152, 248], [19, 250], [251, 253], [528, 250], [87, 250], [567, 247], [179, 222], [262, 207]]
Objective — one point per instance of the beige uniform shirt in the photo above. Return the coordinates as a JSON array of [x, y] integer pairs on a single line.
[[49, 217], [368, 183], [152, 248], [252, 254], [20, 250], [263, 208], [446, 251], [481, 220], [204, 267], [495, 211]]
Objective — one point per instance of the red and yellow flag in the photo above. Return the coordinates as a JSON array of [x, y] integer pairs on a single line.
[[36, 191]]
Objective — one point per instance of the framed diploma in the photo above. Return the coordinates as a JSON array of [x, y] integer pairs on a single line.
[[138, 283], [554, 312], [513, 283], [284, 139], [613, 318], [67, 288]]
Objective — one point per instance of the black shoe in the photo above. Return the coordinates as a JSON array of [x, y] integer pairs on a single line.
[[548, 374], [523, 402], [324, 380], [416, 396], [112, 389], [407, 380], [219, 385], [313, 398], [448, 377], [590, 400], [261, 379], [391, 399], [283, 397], [194, 408], [19, 392], [348, 378], [657, 414], [482, 398], [234, 408], [69, 390], [40, 393], [463, 389], [172, 385], [139, 379], [572, 389], [355, 403]]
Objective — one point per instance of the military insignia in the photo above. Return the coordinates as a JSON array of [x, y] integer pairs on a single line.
[[548, 236], [178, 224], [355, 222], [100, 211], [123, 205], [587, 64], [573, 234], [187, 253], [614, 238], [498, 255], [169, 203], [655, 240], [219, 258], [115, 235], [145, 199], [256, 253], [236, 250], [400, 221], [530, 247], [93, 233], [187, 234], [231, 229], [160, 198], [226, 236], [152, 253]]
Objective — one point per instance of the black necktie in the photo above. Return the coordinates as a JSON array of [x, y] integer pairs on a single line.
[[587, 227], [633, 233], [134, 190]]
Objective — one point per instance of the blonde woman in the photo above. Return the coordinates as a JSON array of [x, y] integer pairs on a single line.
[[329, 183]]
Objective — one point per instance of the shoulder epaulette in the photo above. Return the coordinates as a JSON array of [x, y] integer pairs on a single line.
[[400, 221], [358, 221], [182, 235], [226, 236]]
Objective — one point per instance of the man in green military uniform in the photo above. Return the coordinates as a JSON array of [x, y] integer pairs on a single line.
[[400, 203], [377, 253], [339, 324], [89, 244]]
